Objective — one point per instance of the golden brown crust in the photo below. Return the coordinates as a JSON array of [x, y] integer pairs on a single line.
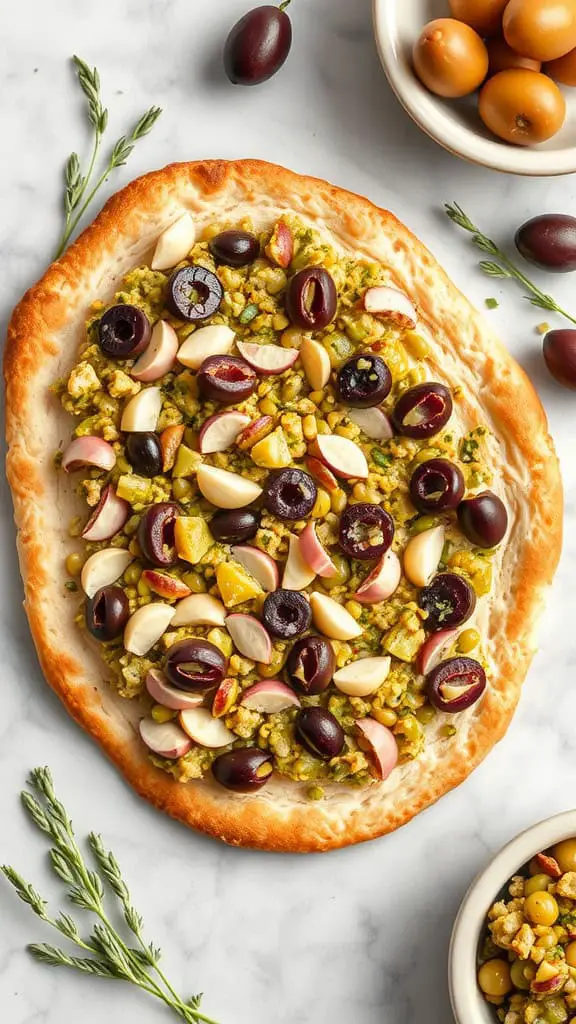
[[42, 339]]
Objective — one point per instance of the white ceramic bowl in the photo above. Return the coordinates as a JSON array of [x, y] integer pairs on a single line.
[[456, 125], [467, 1002]]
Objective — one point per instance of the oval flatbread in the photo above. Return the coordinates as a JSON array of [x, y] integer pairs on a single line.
[[296, 811]]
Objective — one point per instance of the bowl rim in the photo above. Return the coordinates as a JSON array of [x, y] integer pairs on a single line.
[[458, 140], [468, 1005]]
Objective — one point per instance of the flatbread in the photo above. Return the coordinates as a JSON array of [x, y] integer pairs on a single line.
[[42, 344]]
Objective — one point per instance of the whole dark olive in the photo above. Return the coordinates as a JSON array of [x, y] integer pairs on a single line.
[[483, 519], [235, 248], [549, 242], [319, 732], [363, 381], [156, 534], [243, 770], [560, 356], [286, 614], [311, 665], [449, 601], [107, 613], [436, 486], [226, 379], [195, 665], [311, 299], [366, 531], [423, 410], [144, 453], [258, 45], [235, 526], [290, 493], [456, 684], [194, 293], [123, 331]]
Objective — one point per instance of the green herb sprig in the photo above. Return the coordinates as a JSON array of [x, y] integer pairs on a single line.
[[76, 201], [504, 268], [106, 953]]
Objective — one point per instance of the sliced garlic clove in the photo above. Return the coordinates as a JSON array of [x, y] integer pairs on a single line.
[[166, 739], [297, 572], [103, 568], [422, 555], [174, 243], [88, 451], [141, 413], [392, 305], [159, 357], [316, 363], [199, 610], [145, 627], [362, 678], [108, 517], [332, 619], [216, 340], [226, 490], [201, 727]]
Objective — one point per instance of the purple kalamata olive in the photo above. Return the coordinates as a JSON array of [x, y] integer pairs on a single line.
[[107, 613], [311, 299], [423, 410], [319, 732], [366, 531], [311, 665], [195, 665], [560, 356], [243, 770], [235, 248], [226, 379], [123, 331], [194, 293], [436, 486], [144, 453], [549, 242], [290, 493], [449, 601], [258, 45], [483, 519], [286, 614], [363, 381], [456, 684], [232, 527], [156, 534]]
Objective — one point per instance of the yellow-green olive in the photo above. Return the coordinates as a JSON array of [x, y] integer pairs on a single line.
[[342, 572], [494, 978], [538, 883], [565, 854], [519, 973], [541, 908]]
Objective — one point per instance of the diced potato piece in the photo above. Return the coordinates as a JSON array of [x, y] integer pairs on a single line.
[[272, 452], [235, 584], [192, 538]]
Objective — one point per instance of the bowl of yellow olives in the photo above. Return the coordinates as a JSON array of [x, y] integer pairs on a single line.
[[513, 949]]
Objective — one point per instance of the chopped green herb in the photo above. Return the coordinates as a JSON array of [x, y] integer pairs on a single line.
[[248, 313], [380, 458], [492, 303], [71, 585]]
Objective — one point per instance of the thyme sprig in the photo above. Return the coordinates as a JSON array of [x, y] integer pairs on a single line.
[[107, 953], [504, 267], [76, 201]]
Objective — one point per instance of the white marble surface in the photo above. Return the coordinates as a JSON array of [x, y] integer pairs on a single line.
[[359, 935]]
